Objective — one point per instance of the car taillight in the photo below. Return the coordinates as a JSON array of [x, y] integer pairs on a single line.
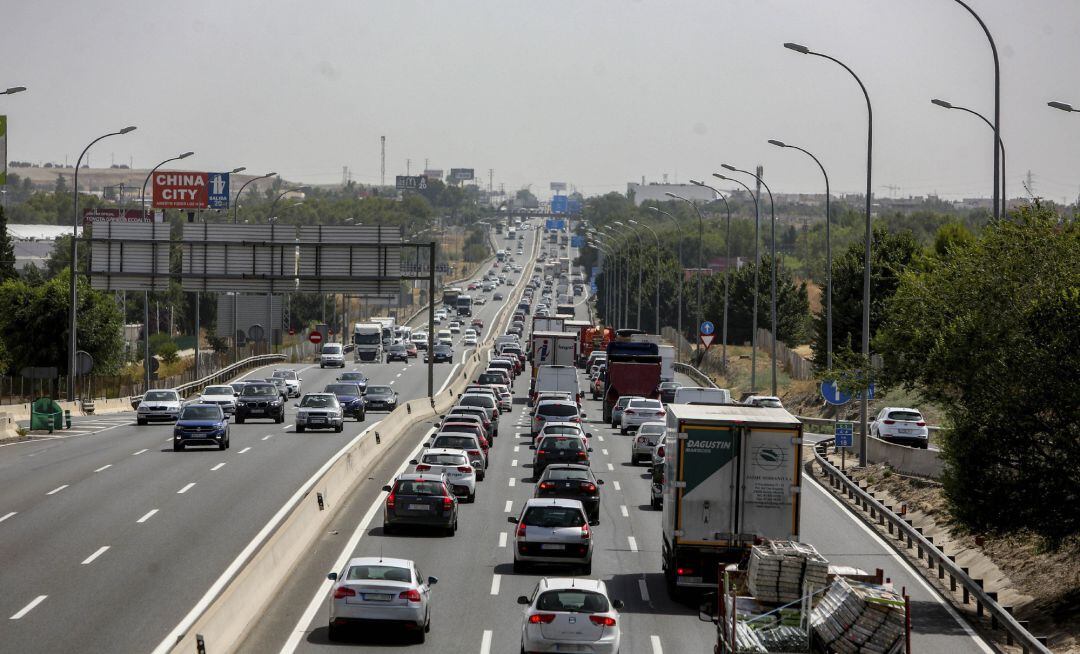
[[588, 487], [585, 534], [476, 452], [602, 620], [521, 531], [464, 468], [422, 467], [412, 595], [889, 422], [660, 452], [582, 454], [390, 500], [447, 502], [684, 571], [642, 439], [661, 412], [629, 412], [921, 423], [344, 591], [546, 485], [541, 618], [541, 451]]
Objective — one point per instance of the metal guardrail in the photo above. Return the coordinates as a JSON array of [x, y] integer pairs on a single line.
[[985, 601], [700, 378], [225, 373]]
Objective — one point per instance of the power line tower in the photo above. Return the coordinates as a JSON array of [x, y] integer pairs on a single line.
[[382, 172]]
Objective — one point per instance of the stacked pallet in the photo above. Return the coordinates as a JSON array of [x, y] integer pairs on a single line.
[[853, 618], [783, 571]]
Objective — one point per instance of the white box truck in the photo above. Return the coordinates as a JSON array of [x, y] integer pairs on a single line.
[[731, 479], [367, 342], [556, 379], [551, 349], [387, 323], [667, 363]]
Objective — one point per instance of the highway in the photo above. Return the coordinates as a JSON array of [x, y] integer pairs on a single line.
[[475, 607], [109, 538]]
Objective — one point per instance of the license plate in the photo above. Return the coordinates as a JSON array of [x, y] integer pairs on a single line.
[[377, 597], [318, 421], [257, 411], [418, 507], [563, 647], [552, 546], [907, 431]]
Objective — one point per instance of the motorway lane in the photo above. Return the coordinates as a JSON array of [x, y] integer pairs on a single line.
[[153, 571]]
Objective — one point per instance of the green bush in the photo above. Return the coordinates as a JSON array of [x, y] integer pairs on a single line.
[[168, 352]]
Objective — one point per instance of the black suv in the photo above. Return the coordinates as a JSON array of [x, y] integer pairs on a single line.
[[260, 400], [397, 353]]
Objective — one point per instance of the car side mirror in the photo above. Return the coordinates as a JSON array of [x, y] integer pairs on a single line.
[[296, 405], [705, 609], [412, 462], [431, 581], [532, 447], [588, 434], [593, 523], [388, 488], [582, 415], [512, 520], [588, 449], [618, 604], [522, 599], [332, 576], [600, 482]]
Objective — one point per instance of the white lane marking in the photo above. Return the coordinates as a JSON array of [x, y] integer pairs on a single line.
[[57, 490], [146, 517], [185, 489], [90, 559], [517, 448], [485, 641], [622, 509], [610, 467], [448, 378], [656, 648], [907, 566], [604, 452], [509, 506], [29, 607], [399, 374], [633, 543], [496, 581], [617, 485], [244, 450], [502, 539], [511, 482], [218, 467], [644, 589], [601, 437], [144, 450], [105, 467], [392, 381], [267, 437], [168, 440], [318, 600], [286, 428], [8, 515]]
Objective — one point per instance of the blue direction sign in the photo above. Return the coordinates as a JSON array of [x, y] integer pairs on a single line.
[[559, 204], [574, 207], [577, 241], [555, 223], [845, 434], [707, 328], [217, 192], [832, 393]]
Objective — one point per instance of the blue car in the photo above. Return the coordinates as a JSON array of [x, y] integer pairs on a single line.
[[350, 397], [201, 424]]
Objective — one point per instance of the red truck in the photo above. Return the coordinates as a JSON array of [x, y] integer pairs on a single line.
[[632, 369]]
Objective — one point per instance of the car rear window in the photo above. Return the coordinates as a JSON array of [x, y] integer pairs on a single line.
[[651, 429], [490, 378], [485, 401], [553, 516], [561, 429], [572, 600], [645, 404], [454, 443], [912, 416], [445, 459], [410, 487], [562, 443], [380, 572], [567, 473], [561, 410]]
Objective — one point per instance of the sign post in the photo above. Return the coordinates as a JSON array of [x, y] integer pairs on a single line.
[[844, 433]]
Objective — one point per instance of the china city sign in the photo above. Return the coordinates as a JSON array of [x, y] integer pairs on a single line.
[[190, 190]]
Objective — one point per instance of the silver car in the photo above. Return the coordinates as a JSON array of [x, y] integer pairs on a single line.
[[620, 406], [292, 380], [571, 615], [319, 411], [452, 464], [555, 531], [375, 589], [648, 435], [223, 396], [638, 412], [160, 404]]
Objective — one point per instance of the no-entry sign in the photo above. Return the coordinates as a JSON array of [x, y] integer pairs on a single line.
[[315, 337]]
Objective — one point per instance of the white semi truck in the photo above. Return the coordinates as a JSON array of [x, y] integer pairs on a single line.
[[368, 342]]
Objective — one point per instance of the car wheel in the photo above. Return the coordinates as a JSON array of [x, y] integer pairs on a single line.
[[472, 497], [239, 420], [178, 447], [519, 567], [281, 418], [421, 635], [339, 428], [222, 445], [622, 430], [299, 429], [387, 529], [228, 443], [140, 421], [655, 504], [586, 569], [321, 366], [333, 632]]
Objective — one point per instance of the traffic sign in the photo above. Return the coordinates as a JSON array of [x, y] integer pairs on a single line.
[[845, 434], [315, 337], [292, 332], [707, 328], [832, 393], [217, 196], [559, 204], [707, 339]]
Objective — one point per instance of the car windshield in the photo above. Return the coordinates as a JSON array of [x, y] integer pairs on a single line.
[[572, 600], [573, 474], [553, 516], [379, 390], [331, 348], [455, 442], [352, 376], [342, 389], [379, 572], [200, 413], [560, 410], [319, 401], [160, 396], [218, 390], [561, 444], [444, 459], [911, 416], [419, 487], [285, 374]]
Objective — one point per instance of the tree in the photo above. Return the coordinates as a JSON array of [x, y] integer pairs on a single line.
[[950, 236], [891, 255], [7, 251], [169, 352], [990, 334], [792, 303]]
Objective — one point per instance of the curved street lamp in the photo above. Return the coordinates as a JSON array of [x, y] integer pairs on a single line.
[[657, 239], [727, 262], [1000, 144], [273, 204], [74, 312], [1062, 106], [700, 251], [12, 90], [863, 405], [681, 272], [757, 277], [236, 201]]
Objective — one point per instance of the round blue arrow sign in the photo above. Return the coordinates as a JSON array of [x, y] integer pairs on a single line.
[[833, 394], [707, 328]]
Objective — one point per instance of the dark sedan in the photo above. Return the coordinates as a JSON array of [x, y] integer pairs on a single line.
[[201, 424], [559, 449], [442, 353], [420, 499], [397, 353], [354, 377], [667, 391], [572, 482], [381, 398], [350, 397]]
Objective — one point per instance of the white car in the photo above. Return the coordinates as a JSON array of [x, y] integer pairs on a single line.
[[571, 615], [479, 299], [161, 404], [292, 380], [444, 337], [332, 354], [380, 589], [452, 464], [553, 530], [638, 412], [902, 426], [223, 396], [770, 401], [319, 411], [506, 398], [648, 435], [455, 327]]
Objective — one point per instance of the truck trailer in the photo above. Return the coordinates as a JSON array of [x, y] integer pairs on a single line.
[[632, 369]]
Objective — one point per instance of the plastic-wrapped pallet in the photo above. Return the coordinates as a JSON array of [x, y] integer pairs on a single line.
[[784, 571], [857, 618]]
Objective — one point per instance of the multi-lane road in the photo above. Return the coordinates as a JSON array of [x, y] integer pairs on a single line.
[[110, 538]]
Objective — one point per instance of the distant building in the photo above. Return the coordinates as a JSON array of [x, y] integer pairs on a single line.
[[656, 192], [33, 244]]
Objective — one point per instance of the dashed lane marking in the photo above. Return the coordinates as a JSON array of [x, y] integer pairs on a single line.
[[633, 543], [90, 559], [8, 515], [617, 485], [104, 467], [509, 506], [141, 451], [511, 482], [610, 468], [644, 589], [57, 490], [267, 437], [496, 581], [513, 463], [34, 602], [244, 450], [185, 489], [604, 452], [656, 648], [218, 467], [624, 511], [149, 514], [502, 539], [485, 641]]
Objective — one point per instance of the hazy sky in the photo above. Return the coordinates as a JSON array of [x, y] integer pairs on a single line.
[[593, 92]]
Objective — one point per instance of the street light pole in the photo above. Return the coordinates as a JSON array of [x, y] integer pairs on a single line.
[[700, 251], [863, 405], [281, 195], [727, 262], [680, 278], [757, 278], [828, 252], [657, 239], [948, 105], [236, 294], [640, 269], [74, 311], [772, 248]]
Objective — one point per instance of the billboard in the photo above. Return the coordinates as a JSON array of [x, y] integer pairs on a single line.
[[559, 204], [433, 173], [461, 174], [179, 190], [3, 150], [130, 257], [410, 182], [558, 186], [114, 215], [577, 241], [218, 195]]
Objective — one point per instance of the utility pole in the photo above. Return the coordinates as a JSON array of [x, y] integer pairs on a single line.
[[491, 180], [382, 173], [408, 166]]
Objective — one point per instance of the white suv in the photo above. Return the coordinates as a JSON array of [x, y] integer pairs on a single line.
[[332, 354], [902, 426]]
